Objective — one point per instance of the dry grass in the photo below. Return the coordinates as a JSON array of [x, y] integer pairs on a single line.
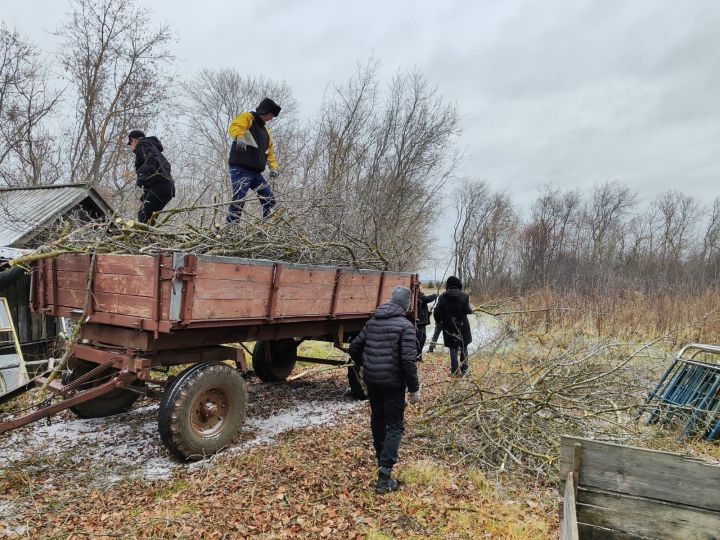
[[627, 315]]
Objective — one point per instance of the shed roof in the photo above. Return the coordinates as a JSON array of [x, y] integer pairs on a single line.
[[24, 212]]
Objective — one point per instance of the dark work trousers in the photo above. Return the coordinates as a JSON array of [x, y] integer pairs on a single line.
[[242, 180], [436, 333], [454, 360], [421, 336], [387, 406], [154, 199]]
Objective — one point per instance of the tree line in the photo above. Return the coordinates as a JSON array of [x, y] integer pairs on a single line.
[[602, 243]]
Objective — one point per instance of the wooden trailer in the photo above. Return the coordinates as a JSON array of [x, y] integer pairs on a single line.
[[144, 313]]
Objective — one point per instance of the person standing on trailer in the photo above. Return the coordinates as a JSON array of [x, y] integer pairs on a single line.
[[387, 347], [252, 150], [153, 174]]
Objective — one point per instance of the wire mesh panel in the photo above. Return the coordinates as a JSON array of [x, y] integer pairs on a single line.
[[688, 393]]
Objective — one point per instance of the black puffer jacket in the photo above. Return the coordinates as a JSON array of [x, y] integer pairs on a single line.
[[451, 313], [152, 168], [387, 347]]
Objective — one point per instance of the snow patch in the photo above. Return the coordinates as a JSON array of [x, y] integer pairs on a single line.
[[128, 445]]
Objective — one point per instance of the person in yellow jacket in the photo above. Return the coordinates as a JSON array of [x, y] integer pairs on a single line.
[[251, 151]]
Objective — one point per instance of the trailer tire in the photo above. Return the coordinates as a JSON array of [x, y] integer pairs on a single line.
[[273, 361], [202, 410], [358, 389], [114, 402]]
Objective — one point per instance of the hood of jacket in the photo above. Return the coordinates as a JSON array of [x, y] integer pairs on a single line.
[[454, 293], [389, 310], [150, 140]]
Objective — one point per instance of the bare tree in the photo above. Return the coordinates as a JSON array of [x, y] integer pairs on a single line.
[[116, 64], [28, 153], [378, 161]]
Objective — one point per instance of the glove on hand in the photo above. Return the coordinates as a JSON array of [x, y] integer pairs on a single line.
[[414, 397], [274, 173], [240, 145]]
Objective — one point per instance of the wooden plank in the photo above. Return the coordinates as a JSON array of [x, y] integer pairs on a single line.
[[590, 532], [645, 517], [569, 525], [304, 306], [122, 304], [235, 272], [223, 289], [229, 308], [300, 276], [110, 283], [72, 262], [644, 473]]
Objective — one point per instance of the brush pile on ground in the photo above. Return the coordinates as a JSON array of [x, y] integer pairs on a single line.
[[527, 391], [280, 237]]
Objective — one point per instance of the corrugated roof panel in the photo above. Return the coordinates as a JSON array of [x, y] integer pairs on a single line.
[[24, 210]]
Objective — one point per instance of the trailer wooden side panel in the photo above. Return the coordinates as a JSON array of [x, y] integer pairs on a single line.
[[167, 293]]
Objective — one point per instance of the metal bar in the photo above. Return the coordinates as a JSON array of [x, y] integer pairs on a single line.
[[156, 295], [336, 289], [274, 285], [52, 286], [380, 289], [188, 287], [707, 399], [80, 397], [325, 361]]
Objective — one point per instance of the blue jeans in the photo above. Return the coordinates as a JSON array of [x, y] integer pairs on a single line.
[[242, 180], [454, 359]]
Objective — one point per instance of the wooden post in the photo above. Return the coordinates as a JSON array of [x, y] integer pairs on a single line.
[[577, 449]]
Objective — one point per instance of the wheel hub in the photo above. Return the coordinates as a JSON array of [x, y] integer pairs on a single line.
[[209, 411]]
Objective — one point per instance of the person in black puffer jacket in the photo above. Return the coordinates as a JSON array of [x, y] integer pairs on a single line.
[[450, 314], [153, 174], [387, 348]]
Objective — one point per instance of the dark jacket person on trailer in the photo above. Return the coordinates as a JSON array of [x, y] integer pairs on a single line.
[[153, 174], [387, 347], [451, 313]]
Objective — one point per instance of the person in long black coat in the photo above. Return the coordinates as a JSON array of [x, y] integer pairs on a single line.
[[451, 313]]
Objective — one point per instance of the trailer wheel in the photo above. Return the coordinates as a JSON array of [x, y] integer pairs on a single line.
[[202, 410], [358, 389], [273, 361], [114, 402]]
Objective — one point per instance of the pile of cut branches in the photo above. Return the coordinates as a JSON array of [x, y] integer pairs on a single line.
[[523, 395], [280, 237]]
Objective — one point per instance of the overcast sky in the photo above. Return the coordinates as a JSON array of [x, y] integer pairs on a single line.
[[568, 92]]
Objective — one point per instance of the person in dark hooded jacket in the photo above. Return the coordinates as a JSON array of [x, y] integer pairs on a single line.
[[153, 174], [252, 150], [386, 347], [423, 319], [450, 314]]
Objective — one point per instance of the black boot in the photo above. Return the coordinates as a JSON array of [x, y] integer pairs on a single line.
[[385, 483]]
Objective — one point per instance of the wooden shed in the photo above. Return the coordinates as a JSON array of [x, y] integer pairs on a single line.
[[27, 216]]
